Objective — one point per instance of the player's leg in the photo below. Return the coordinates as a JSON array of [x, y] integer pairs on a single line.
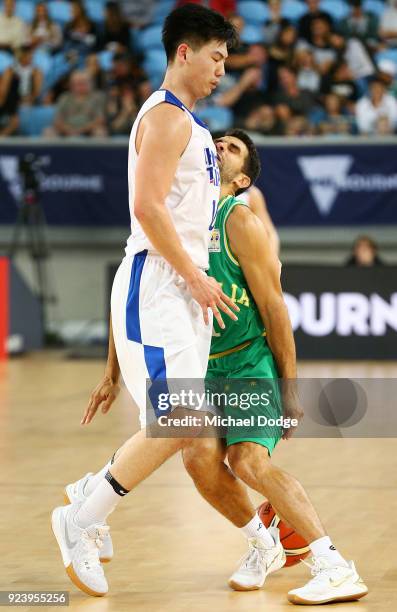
[[335, 579], [148, 307], [204, 462], [250, 461]]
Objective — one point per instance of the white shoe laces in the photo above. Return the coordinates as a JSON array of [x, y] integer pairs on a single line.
[[319, 571], [91, 544], [253, 558]]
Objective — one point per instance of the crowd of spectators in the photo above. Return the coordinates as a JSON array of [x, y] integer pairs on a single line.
[[312, 74]]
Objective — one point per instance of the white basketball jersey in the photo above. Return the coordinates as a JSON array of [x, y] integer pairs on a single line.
[[195, 190]]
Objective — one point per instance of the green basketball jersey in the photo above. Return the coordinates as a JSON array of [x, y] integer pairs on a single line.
[[226, 269]]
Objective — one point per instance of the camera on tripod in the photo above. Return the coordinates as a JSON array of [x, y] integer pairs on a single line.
[[29, 166]]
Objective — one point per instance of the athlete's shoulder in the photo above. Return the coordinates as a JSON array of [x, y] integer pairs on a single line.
[[165, 117], [243, 228]]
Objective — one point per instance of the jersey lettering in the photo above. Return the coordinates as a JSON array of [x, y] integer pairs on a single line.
[[212, 167]]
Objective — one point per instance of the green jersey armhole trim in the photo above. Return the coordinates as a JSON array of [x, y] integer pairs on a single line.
[[225, 239], [221, 202]]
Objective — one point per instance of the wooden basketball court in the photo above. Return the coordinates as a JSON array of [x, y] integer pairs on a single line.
[[172, 551]]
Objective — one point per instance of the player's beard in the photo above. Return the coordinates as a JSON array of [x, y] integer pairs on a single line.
[[227, 176]]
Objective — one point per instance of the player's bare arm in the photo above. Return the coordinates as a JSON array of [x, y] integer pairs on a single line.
[[257, 204], [108, 388], [162, 137], [249, 242]]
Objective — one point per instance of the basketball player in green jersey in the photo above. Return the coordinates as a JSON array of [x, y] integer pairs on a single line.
[[244, 262], [249, 270]]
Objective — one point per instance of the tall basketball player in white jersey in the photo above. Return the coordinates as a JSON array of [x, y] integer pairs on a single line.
[[162, 301]]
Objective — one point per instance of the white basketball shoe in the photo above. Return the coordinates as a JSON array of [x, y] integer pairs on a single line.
[[80, 551], [74, 494], [329, 583], [258, 563]]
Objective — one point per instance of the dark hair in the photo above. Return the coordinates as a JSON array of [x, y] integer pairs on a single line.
[[47, 18], [195, 25], [252, 163]]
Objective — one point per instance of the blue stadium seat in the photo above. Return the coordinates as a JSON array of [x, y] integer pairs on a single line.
[[388, 54], [253, 11], [293, 9], [156, 79], [161, 10], [105, 59], [149, 38], [95, 10], [34, 119], [155, 62], [252, 34], [60, 11], [374, 6], [43, 61], [216, 117], [25, 10], [338, 9], [6, 60]]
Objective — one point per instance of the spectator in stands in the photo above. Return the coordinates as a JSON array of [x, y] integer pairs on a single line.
[[298, 125], [126, 74], [30, 78], [44, 32], [334, 119], [9, 100], [387, 71], [340, 82], [314, 12], [99, 78], [388, 24], [360, 24], [80, 32], [364, 253], [308, 75], [13, 31], [263, 119], [121, 111], [356, 55], [243, 96], [280, 54], [290, 100], [138, 13], [275, 23], [243, 56], [116, 31], [378, 104], [324, 53], [225, 7], [80, 112]]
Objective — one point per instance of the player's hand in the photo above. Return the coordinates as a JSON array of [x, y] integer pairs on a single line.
[[208, 293], [292, 409], [104, 394]]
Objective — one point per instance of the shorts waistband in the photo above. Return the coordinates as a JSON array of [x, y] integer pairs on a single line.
[[156, 255], [234, 349]]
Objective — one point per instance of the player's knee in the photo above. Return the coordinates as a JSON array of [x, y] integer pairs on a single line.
[[244, 461], [201, 455]]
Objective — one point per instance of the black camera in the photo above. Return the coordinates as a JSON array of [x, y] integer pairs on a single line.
[[28, 170]]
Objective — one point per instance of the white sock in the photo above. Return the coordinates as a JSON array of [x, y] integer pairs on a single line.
[[98, 505], [323, 547], [256, 529], [95, 479]]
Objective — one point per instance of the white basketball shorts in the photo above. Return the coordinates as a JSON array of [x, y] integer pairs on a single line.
[[158, 328]]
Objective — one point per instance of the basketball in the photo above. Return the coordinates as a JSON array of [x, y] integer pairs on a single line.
[[296, 548]]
